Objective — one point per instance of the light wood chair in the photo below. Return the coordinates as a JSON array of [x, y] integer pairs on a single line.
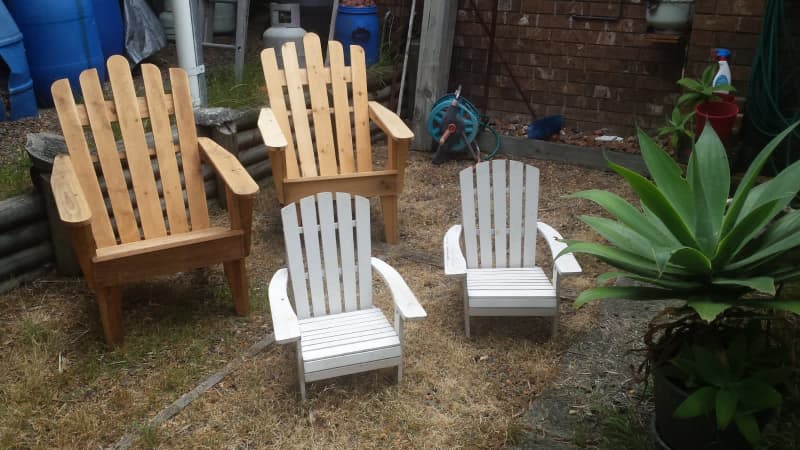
[[499, 205], [330, 161], [331, 316], [157, 222]]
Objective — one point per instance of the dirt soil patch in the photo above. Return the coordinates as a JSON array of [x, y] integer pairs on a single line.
[[61, 387]]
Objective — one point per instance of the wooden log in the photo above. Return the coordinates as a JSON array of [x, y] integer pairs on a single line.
[[65, 259], [248, 138], [20, 209], [259, 170], [248, 119], [24, 260], [253, 155], [27, 277], [23, 236]]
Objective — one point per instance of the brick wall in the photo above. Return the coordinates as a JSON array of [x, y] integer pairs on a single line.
[[595, 73]]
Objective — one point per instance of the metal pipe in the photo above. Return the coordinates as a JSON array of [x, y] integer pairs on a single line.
[[600, 18], [405, 56], [489, 57]]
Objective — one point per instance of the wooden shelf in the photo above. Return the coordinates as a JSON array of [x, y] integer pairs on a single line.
[[664, 38]]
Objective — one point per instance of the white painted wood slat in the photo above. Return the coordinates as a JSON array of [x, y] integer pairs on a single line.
[[294, 256], [468, 217], [330, 257], [499, 207], [483, 186], [515, 208], [360, 362], [531, 212], [347, 250], [350, 347], [308, 213], [364, 250]]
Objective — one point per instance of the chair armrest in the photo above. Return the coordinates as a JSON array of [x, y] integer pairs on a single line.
[[405, 302], [229, 169], [73, 209], [270, 130], [284, 320], [389, 122], [454, 262], [565, 264]]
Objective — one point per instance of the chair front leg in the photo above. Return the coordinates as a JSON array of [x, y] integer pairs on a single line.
[[301, 371], [109, 302], [277, 162], [398, 327], [391, 226], [236, 273]]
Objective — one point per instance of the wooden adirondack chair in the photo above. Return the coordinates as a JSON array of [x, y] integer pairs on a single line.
[[302, 165], [161, 225], [500, 274], [337, 329]]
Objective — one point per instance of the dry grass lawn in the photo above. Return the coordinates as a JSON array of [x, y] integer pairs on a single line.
[[60, 387]]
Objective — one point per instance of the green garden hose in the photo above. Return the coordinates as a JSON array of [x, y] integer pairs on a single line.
[[773, 97]]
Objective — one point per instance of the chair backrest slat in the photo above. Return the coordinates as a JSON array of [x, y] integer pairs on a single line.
[[361, 108], [320, 109], [330, 256], [308, 214], [515, 179], [499, 200], [82, 162], [531, 212], [275, 80], [294, 254], [111, 109], [504, 197], [344, 212], [116, 185], [341, 106], [190, 155], [169, 175], [363, 252], [297, 101], [484, 191], [467, 178], [316, 271], [130, 124]]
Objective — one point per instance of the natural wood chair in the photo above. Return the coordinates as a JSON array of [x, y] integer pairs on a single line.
[[331, 160], [499, 205], [161, 224], [331, 316]]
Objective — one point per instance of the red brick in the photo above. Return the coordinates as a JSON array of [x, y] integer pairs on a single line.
[[702, 38], [741, 7], [705, 6], [572, 7], [508, 5], [567, 62], [749, 24], [538, 6], [714, 22]]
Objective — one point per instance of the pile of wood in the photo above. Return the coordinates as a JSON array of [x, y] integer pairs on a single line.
[[25, 246]]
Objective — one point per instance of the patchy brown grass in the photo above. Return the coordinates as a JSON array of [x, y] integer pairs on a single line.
[[179, 330]]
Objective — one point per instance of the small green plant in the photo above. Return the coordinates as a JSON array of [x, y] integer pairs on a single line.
[[735, 378], [224, 90], [678, 127], [701, 90]]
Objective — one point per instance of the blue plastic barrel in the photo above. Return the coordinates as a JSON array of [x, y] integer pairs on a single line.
[[61, 40], [109, 26], [20, 86], [358, 25]]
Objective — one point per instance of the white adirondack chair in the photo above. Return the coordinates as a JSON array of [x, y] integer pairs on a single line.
[[499, 203], [337, 329]]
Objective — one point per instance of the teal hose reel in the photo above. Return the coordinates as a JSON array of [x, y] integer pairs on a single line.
[[454, 123]]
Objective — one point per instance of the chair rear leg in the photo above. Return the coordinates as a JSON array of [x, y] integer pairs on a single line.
[[109, 302], [391, 224], [236, 273]]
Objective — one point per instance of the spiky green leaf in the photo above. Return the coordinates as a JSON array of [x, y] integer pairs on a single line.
[[749, 179], [725, 407], [655, 200], [707, 308], [761, 284], [626, 292], [748, 427], [709, 175], [741, 234], [667, 176], [697, 403]]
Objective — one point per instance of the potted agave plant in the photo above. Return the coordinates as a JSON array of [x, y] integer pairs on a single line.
[[718, 362]]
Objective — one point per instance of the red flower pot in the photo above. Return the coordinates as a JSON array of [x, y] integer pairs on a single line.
[[721, 115]]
